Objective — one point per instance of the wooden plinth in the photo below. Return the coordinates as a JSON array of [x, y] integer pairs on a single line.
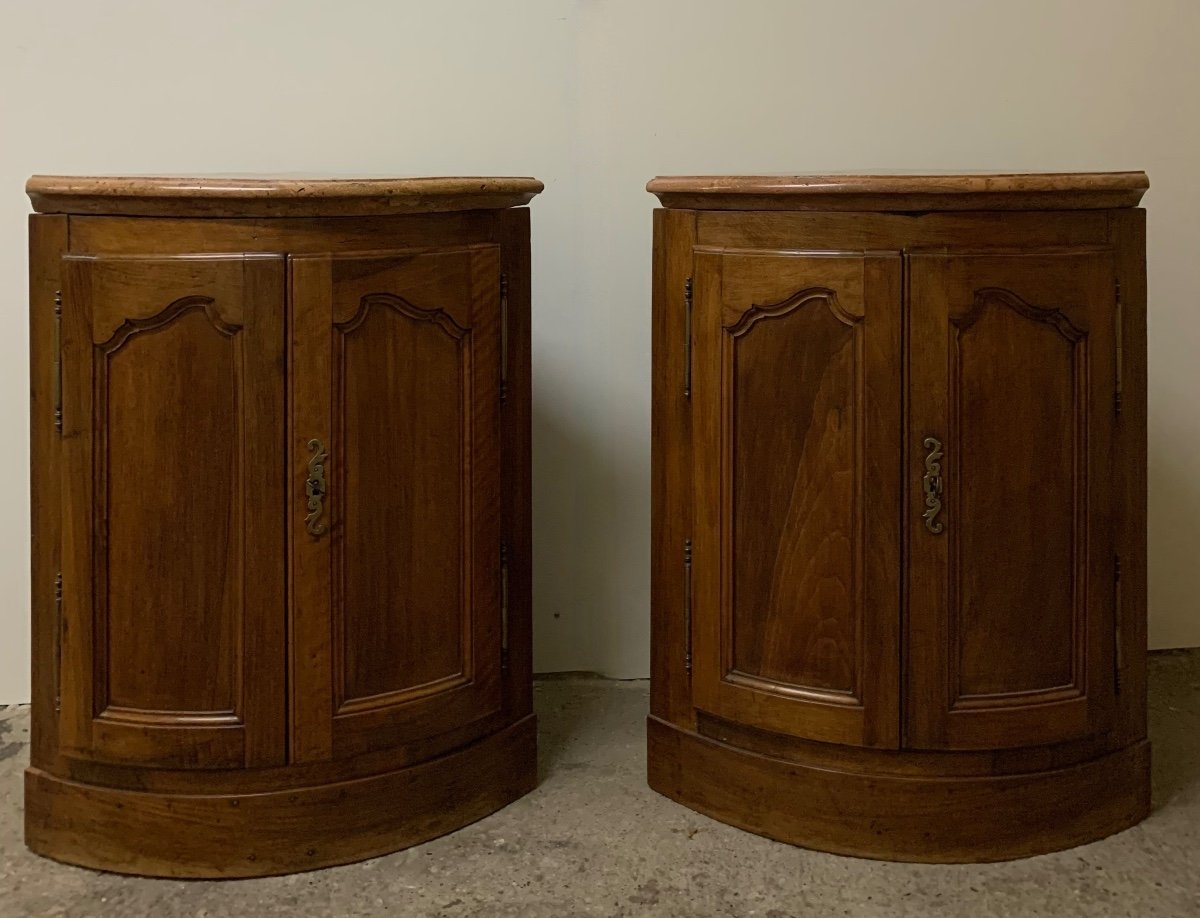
[[930, 819], [262, 834]]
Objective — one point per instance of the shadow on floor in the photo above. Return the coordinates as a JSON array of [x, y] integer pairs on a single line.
[[1174, 724]]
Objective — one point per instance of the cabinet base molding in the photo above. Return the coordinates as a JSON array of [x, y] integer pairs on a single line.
[[263, 834], [933, 819]]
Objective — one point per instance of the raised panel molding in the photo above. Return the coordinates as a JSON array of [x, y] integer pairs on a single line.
[[438, 317], [345, 702], [1075, 340], [999, 296], [797, 300], [138, 717], [168, 314], [108, 351], [736, 336]]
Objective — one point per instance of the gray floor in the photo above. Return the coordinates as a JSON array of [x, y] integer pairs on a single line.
[[593, 840]]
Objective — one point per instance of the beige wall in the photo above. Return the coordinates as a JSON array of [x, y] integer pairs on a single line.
[[594, 97]]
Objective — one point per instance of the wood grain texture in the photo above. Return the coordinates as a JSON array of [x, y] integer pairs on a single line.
[[405, 596], [903, 192], [796, 562], [181, 297], [274, 196], [512, 232], [894, 231], [285, 831], [173, 602], [402, 385], [925, 818], [1128, 237], [794, 451], [671, 475], [1009, 662], [47, 244], [293, 235], [1010, 608], [875, 760]]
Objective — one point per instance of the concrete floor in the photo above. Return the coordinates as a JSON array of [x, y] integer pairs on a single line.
[[593, 840]]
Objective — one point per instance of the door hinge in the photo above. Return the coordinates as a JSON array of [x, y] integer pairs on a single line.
[[687, 338], [57, 357], [687, 605], [503, 337], [1118, 624], [1120, 352], [58, 629], [504, 605]]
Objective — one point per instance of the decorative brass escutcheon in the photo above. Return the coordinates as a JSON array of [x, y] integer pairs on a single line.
[[932, 484], [314, 488]]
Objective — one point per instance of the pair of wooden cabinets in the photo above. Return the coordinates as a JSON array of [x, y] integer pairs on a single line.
[[281, 532], [899, 511], [281, 491]]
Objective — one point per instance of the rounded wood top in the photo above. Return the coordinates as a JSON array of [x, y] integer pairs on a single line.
[[898, 191], [274, 196]]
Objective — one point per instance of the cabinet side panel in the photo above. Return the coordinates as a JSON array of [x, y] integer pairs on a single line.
[[516, 510], [47, 243], [1129, 465], [671, 517]]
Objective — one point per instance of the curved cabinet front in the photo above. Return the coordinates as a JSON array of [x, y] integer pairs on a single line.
[[284, 631], [898, 594]]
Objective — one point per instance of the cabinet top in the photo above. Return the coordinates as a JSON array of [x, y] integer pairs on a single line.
[[899, 191], [273, 196]]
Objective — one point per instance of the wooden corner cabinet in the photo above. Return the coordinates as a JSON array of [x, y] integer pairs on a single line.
[[281, 530], [899, 481]]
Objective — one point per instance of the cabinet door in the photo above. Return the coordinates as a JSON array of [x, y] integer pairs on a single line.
[[795, 562], [173, 578], [1011, 577], [396, 573]]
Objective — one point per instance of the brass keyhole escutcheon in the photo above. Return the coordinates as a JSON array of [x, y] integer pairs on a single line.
[[314, 488], [931, 483]]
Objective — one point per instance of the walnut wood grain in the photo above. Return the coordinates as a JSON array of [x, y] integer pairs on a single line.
[[47, 244], [397, 619], [672, 505], [220, 659], [1010, 609], [992, 691], [225, 835], [1128, 239], [516, 430], [925, 818], [172, 573], [795, 565], [272, 196], [902, 191]]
